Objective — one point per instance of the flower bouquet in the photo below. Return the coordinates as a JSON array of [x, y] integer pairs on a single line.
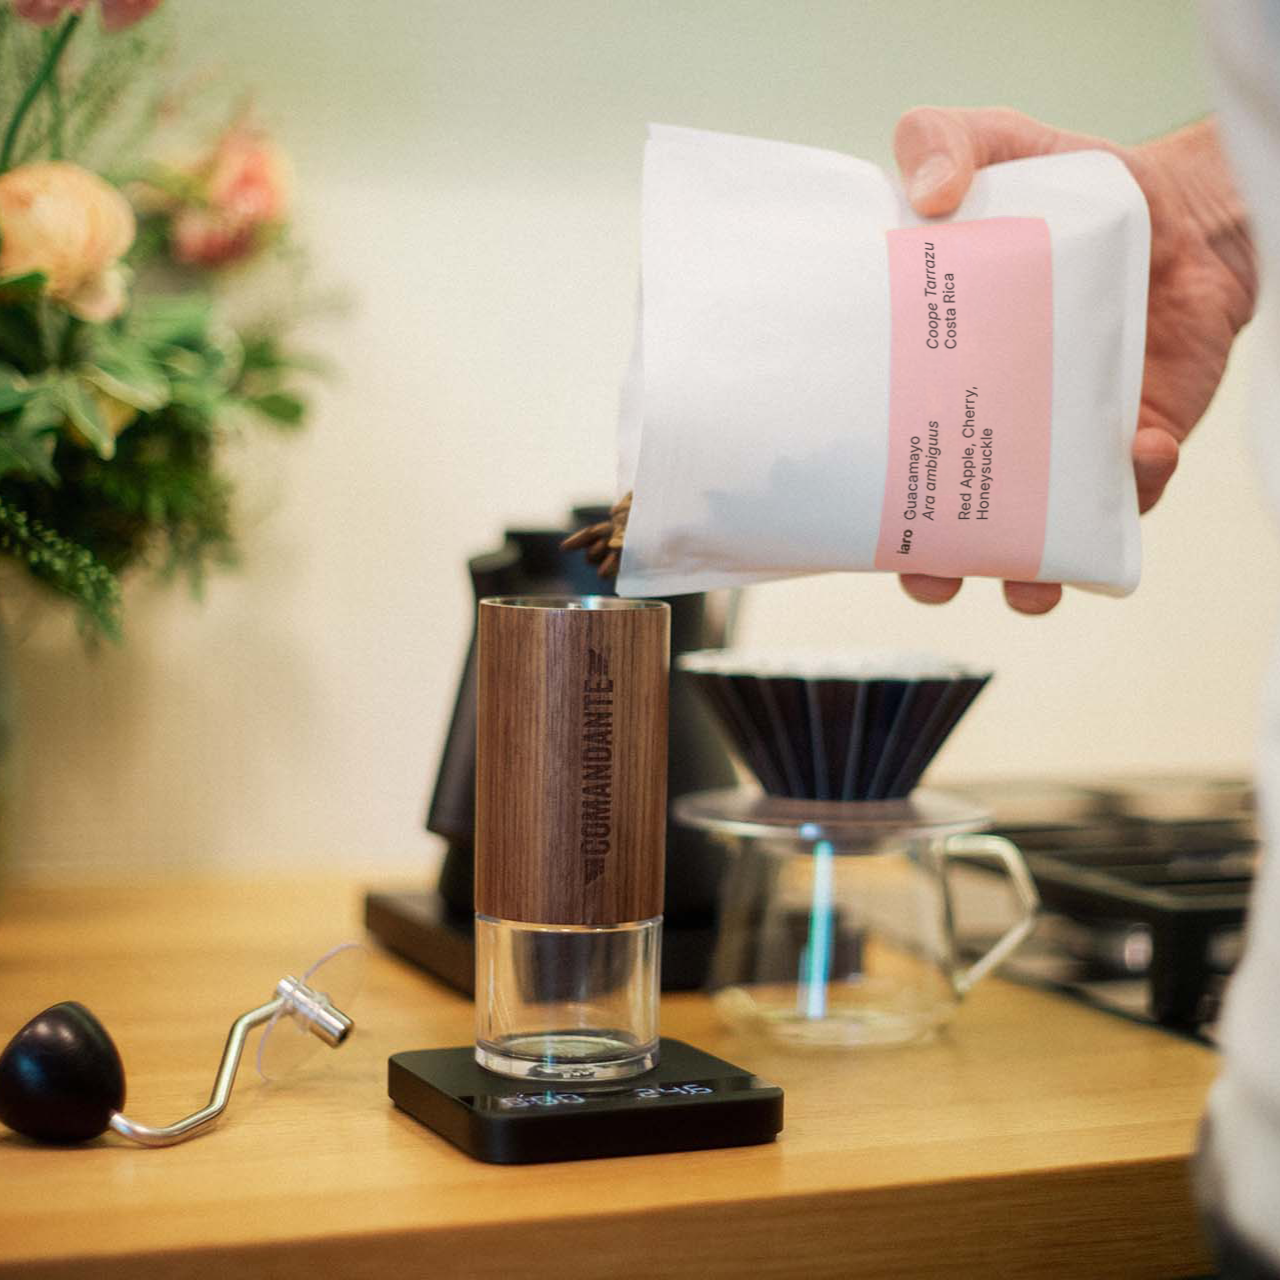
[[122, 374]]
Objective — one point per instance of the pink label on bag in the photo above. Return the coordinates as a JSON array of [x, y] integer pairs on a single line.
[[970, 399]]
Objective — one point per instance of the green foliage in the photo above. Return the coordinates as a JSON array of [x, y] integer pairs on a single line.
[[64, 565], [103, 498], [106, 101]]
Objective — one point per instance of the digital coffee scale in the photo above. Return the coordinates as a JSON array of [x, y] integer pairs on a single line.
[[690, 1102]]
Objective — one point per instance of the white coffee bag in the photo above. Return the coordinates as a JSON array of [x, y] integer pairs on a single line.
[[823, 381]]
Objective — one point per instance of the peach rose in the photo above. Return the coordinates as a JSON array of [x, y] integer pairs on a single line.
[[68, 223], [245, 185]]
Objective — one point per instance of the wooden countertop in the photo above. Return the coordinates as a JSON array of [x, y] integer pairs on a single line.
[[1035, 1137]]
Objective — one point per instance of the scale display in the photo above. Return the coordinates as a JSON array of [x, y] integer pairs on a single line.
[[690, 1101]]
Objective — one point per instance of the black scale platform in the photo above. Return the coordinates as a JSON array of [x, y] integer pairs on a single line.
[[689, 1102]]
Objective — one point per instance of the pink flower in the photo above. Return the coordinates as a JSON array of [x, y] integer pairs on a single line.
[[68, 223], [116, 14], [245, 187], [44, 13]]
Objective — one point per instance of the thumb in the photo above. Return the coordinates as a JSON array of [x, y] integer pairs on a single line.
[[939, 150]]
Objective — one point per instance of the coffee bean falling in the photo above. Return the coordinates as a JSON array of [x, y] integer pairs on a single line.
[[603, 542]]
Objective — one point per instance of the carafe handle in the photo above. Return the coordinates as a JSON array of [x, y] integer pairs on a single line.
[[979, 848]]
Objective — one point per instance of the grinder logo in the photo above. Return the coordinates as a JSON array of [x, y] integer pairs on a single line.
[[597, 765]]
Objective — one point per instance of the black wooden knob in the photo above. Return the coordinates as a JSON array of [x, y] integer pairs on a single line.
[[61, 1076]]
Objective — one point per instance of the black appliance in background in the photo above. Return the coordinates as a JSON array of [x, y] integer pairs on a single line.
[[1144, 884], [433, 927]]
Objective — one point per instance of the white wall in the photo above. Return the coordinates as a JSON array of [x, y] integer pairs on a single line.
[[469, 172]]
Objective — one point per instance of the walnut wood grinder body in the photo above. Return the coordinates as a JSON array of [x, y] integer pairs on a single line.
[[571, 760]]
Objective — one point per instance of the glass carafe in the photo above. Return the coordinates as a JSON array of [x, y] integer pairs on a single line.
[[837, 925]]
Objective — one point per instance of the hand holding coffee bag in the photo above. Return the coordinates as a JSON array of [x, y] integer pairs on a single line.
[[822, 381]]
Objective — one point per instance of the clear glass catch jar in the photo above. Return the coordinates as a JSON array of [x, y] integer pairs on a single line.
[[837, 920]]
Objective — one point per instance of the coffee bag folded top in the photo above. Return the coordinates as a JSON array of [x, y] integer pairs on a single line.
[[822, 381]]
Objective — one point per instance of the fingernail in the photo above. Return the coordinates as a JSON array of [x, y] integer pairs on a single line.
[[934, 172]]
